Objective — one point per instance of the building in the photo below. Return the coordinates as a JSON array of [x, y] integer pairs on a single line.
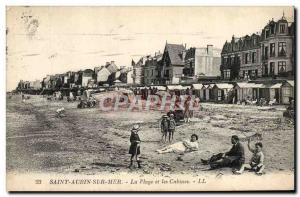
[[171, 69], [268, 54], [277, 46], [152, 65], [202, 62], [102, 75], [138, 71], [111, 66], [87, 75]]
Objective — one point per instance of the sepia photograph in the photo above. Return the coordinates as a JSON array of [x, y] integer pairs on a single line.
[[150, 98]]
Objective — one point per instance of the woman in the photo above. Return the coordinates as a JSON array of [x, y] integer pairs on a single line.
[[182, 146], [134, 148]]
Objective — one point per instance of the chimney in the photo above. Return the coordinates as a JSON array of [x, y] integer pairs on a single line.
[[184, 45], [209, 49], [112, 62], [107, 63], [183, 55]]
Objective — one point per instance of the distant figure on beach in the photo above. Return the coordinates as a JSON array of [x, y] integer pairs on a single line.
[[134, 148], [172, 126], [187, 111], [182, 146], [256, 162], [164, 127], [233, 158]]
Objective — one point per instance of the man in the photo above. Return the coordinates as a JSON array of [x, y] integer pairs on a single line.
[[233, 158]]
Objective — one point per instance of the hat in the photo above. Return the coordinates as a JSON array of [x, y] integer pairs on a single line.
[[136, 127], [171, 114], [165, 116]]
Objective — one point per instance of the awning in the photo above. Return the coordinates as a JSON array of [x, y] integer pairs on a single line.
[[274, 86], [249, 85], [159, 87], [175, 87], [197, 86], [209, 86], [224, 85]]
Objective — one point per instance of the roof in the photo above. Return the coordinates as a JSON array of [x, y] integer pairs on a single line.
[[197, 86], [159, 87], [175, 87], [175, 53], [249, 85], [208, 86], [290, 82], [276, 85], [223, 85]]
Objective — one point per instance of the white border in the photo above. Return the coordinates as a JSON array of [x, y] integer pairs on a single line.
[[4, 3]]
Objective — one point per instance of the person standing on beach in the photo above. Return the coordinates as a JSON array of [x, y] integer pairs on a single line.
[[134, 148]]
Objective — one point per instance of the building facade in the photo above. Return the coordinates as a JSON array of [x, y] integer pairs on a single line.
[[202, 62], [268, 54], [277, 46], [152, 65], [171, 69]]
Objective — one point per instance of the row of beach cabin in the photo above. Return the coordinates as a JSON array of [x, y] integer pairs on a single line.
[[235, 92]]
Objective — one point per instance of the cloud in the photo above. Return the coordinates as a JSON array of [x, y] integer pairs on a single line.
[[32, 54], [114, 54], [94, 52]]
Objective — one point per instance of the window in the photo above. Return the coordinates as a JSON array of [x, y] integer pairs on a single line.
[[219, 95], [282, 28], [282, 49], [226, 74], [281, 67], [151, 72], [267, 33], [266, 69], [253, 57], [272, 68], [272, 50], [266, 53], [247, 58]]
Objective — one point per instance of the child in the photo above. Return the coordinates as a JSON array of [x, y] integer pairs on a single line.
[[257, 160], [134, 148], [172, 125], [164, 125]]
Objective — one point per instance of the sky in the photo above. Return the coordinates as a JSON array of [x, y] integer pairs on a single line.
[[51, 40]]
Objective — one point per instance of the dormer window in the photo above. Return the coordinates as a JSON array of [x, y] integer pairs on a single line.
[[267, 33], [282, 28]]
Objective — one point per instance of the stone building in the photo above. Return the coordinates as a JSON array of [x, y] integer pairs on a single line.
[[277, 46], [202, 62], [269, 54], [138, 71], [152, 65]]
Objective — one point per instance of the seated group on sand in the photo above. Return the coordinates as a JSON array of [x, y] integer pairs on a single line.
[[234, 158]]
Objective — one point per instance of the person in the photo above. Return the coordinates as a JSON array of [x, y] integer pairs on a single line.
[[182, 146], [257, 160], [235, 157], [172, 125], [164, 125], [187, 112], [134, 148]]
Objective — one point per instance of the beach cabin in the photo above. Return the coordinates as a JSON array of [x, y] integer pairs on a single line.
[[271, 92], [245, 91], [175, 89], [287, 92], [160, 88], [220, 92], [197, 90], [207, 92]]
